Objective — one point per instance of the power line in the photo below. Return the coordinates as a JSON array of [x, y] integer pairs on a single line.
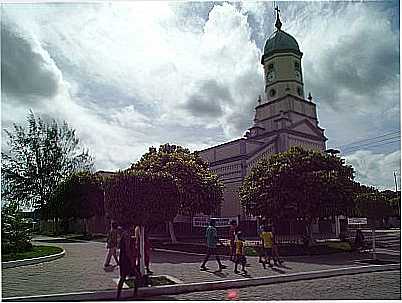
[[369, 139], [375, 142], [376, 145]]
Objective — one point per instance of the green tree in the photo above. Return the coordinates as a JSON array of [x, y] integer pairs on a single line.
[[200, 190], [393, 199], [374, 205], [298, 184], [80, 195], [37, 158], [15, 233], [141, 198]]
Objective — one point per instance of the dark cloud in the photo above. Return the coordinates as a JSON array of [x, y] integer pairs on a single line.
[[359, 67], [209, 99], [25, 67]]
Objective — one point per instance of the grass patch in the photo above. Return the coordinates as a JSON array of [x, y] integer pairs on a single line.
[[340, 246], [37, 251], [153, 281], [250, 251]]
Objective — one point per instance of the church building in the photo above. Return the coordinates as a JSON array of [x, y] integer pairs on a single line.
[[283, 118]]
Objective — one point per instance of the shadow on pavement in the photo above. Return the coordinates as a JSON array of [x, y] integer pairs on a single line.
[[278, 270], [178, 258], [219, 273], [339, 258], [284, 266]]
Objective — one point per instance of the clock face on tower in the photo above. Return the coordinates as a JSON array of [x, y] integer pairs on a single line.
[[298, 75], [271, 76]]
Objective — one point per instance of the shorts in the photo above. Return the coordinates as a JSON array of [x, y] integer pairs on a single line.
[[241, 259], [211, 251], [268, 251]]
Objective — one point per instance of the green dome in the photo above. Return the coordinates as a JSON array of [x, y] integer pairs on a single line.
[[280, 42]]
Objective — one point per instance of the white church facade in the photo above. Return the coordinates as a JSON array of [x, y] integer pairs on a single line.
[[283, 118]]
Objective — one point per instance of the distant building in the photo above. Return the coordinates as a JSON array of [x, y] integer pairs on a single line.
[[283, 118]]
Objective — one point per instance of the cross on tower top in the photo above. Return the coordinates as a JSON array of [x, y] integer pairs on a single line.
[[278, 23]]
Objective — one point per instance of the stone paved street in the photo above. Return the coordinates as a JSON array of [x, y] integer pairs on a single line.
[[370, 286], [81, 269]]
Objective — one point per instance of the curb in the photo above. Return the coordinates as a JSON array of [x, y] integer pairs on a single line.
[[206, 286], [32, 261]]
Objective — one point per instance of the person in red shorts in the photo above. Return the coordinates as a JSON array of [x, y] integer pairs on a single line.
[[232, 235]]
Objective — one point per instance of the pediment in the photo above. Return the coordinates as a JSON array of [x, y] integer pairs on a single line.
[[306, 127], [265, 150]]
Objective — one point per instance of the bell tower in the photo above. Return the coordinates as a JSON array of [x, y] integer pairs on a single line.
[[282, 64], [284, 115]]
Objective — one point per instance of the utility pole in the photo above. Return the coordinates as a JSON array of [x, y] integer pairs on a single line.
[[396, 184]]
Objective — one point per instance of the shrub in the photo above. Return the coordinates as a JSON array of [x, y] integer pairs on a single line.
[[16, 236]]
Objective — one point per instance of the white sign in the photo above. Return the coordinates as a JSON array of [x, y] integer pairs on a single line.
[[200, 221], [357, 220], [219, 222]]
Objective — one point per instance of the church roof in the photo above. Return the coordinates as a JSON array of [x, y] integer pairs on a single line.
[[280, 41]]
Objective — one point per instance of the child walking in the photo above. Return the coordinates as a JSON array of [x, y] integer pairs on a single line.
[[112, 245], [240, 253], [267, 241]]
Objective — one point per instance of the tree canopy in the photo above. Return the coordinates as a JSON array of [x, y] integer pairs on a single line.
[[298, 184], [37, 158], [80, 195], [200, 189], [376, 204], [138, 197], [15, 234]]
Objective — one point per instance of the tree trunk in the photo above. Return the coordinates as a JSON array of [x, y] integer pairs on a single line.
[[373, 230], [171, 232], [142, 251]]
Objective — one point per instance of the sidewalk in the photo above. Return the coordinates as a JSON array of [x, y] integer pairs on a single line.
[[81, 269]]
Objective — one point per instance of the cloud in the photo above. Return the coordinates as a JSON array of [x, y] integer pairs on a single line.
[[376, 169], [128, 75], [352, 60], [27, 69], [208, 99]]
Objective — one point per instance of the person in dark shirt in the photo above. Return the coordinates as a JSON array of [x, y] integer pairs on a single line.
[[359, 240], [128, 259]]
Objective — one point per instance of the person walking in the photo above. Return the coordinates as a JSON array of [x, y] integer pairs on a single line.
[[267, 241], [111, 245], [147, 253], [240, 253], [128, 259], [275, 249], [211, 235], [233, 229], [261, 246], [359, 240]]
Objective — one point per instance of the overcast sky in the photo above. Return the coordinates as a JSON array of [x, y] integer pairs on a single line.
[[130, 75]]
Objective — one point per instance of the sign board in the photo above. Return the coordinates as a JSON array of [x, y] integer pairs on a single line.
[[357, 220], [200, 221], [219, 222]]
